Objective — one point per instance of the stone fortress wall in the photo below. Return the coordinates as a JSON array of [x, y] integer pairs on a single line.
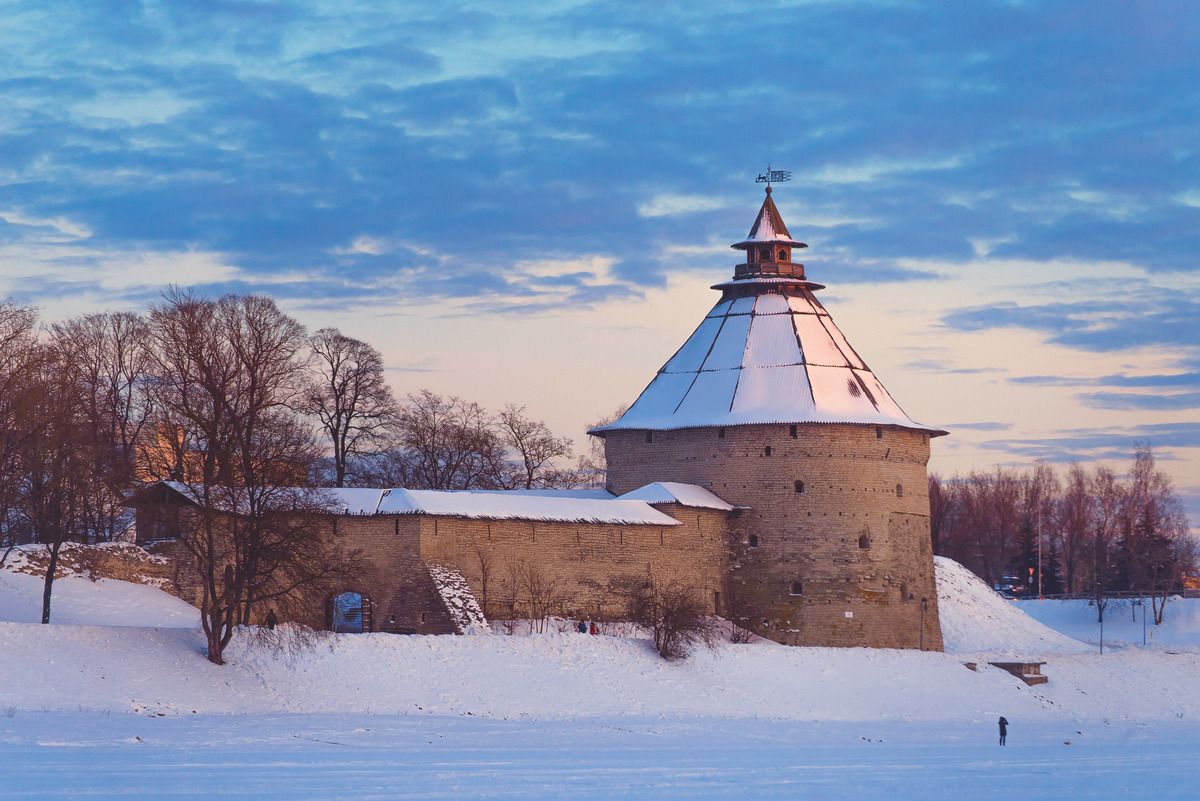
[[843, 559], [578, 570]]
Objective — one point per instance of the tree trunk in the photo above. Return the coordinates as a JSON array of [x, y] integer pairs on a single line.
[[48, 585]]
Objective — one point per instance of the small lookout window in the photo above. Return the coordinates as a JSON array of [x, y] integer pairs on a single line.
[[899, 490], [765, 254], [752, 540], [864, 542], [782, 254], [792, 431], [797, 588], [720, 433], [878, 432], [649, 436], [767, 451], [799, 485]]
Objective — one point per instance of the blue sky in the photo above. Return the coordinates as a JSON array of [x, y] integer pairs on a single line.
[[527, 202]]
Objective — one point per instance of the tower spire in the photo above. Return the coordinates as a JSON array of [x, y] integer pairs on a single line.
[[769, 245]]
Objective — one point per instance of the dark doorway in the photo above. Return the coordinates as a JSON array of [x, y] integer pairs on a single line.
[[350, 613]]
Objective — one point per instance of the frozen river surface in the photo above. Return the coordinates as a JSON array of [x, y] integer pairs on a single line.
[[296, 757]]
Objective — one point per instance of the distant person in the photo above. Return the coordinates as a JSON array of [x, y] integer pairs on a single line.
[[582, 627], [594, 630], [271, 619], [1003, 729]]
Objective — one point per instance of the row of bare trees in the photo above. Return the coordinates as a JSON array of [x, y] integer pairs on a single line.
[[1088, 532], [233, 398]]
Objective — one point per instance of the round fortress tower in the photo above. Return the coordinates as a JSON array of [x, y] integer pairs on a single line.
[[768, 406]]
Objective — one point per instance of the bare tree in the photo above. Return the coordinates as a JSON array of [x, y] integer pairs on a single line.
[[105, 355], [350, 397], [675, 616], [484, 558], [1075, 514], [18, 353], [544, 592], [536, 450], [452, 443], [593, 465], [1109, 499], [55, 463], [939, 511], [229, 372]]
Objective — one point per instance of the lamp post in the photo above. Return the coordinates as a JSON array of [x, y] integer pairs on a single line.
[[1141, 602]]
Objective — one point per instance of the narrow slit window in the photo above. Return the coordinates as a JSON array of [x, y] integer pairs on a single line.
[[649, 436], [767, 451], [878, 432], [797, 588], [799, 486], [793, 432], [864, 542], [899, 490], [720, 433], [752, 540]]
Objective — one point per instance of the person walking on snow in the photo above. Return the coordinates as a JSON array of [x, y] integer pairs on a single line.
[[272, 621], [582, 627], [1003, 729]]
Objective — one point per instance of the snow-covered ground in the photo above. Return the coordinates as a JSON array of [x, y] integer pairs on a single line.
[[1123, 622], [81, 601], [570, 715]]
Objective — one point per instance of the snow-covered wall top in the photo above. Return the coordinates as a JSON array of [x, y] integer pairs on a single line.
[[505, 506], [563, 506], [765, 358], [682, 494]]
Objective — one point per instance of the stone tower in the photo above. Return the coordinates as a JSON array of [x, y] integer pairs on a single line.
[[768, 406]]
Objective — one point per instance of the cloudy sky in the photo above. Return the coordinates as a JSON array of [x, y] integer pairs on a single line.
[[529, 204]]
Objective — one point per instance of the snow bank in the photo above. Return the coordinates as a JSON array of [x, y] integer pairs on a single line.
[[162, 670], [975, 619], [1123, 625], [104, 602], [556, 676]]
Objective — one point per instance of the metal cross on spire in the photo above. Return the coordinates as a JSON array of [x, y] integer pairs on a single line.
[[773, 176]]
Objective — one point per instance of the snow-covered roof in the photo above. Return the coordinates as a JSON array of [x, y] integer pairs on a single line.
[[682, 494], [565, 506], [594, 494], [768, 352], [768, 228], [506, 506]]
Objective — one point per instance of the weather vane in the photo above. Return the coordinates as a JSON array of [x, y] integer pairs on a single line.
[[773, 176]]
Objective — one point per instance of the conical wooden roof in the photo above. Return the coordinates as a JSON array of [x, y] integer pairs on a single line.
[[768, 227], [767, 353]]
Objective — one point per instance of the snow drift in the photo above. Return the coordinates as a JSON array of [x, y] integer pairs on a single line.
[[976, 619]]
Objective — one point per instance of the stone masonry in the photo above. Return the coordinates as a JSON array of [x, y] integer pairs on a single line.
[[834, 548]]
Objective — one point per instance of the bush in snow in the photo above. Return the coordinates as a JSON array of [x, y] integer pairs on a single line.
[[675, 617]]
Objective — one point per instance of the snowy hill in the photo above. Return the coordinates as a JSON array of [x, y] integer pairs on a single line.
[[103, 602], [975, 619], [79, 600]]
